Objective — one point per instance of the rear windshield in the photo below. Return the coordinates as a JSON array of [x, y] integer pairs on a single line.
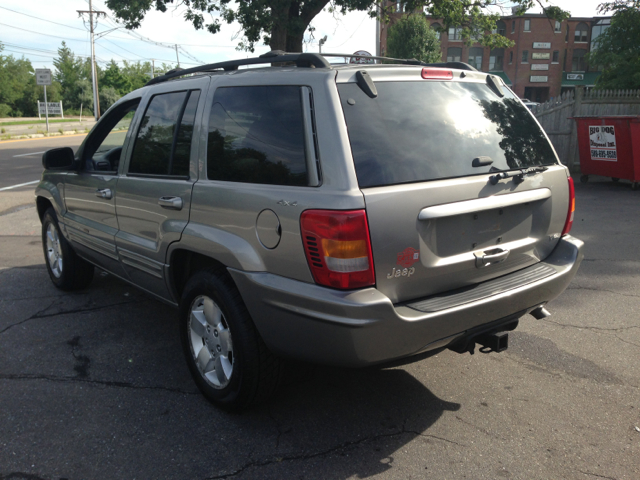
[[418, 131]]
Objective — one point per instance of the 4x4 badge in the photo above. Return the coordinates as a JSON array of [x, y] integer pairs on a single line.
[[286, 203]]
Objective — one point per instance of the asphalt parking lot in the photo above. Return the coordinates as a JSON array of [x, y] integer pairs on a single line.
[[93, 384]]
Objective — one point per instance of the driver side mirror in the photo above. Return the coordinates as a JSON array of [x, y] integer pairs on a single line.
[[59, 159]]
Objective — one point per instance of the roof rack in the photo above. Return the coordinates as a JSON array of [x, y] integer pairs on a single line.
[[303, 60]]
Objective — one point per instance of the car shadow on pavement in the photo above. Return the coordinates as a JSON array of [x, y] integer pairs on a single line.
[[111, 348]]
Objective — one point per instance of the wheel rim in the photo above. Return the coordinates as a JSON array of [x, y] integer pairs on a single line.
[[210, 341], [54, 251]]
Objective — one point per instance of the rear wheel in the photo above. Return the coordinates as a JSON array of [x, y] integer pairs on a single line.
[[584, 178], [66, 269], [228, 360], [634, 186], [615, 180]]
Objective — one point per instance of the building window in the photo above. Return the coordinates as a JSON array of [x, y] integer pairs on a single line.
[[513, 26], [454, 54], [399, 7], [525, 56], [582, 32], [527, 25], [501, 28], [558, 28], [579, 63], [556, 57], [475, 57], [495, 59], [566, 38], [437, 28], [455, 33], [510, 58]]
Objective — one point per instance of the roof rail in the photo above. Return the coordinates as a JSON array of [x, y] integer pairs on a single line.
[[407, 61], [304, 60]]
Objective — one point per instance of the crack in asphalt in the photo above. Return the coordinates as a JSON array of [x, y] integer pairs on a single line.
[[328, 451], [55, 378], [40, 314], [579, 287], [596, 475], [580, 327], [604, 331]]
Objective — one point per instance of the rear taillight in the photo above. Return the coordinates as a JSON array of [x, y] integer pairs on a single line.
[[437, 74], [572, 208], [338, 247]]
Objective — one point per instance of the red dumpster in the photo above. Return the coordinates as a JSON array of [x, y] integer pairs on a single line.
[[610, 146]]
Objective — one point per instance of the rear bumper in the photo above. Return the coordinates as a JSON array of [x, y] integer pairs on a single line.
[[362, 327]]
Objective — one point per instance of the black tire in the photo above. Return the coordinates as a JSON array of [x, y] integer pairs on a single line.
[[584, 178], [634, 186], [615, 180], [71, 272], [255, 372]]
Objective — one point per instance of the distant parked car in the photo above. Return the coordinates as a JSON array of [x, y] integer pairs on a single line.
[[529, 104]]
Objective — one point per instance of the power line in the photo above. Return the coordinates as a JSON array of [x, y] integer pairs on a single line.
[[45, 34], [44, 20]]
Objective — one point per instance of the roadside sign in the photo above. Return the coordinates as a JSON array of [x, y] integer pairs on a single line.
[[55, 108], [602, 143], [363, 58], [43, 76]]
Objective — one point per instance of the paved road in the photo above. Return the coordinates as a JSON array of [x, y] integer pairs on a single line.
[[93, 384], [21, 160]]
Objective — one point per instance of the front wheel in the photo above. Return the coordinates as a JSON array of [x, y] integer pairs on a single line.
[[228, 360], [66, 269], [584, 178]]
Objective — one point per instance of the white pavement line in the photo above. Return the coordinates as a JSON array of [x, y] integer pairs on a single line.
[[27, 154], [19, 185]]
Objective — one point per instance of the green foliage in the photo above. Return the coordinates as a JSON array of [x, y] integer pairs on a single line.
[[113, 78], [618, 48], [412, 37], [281, 23], [108, 96]]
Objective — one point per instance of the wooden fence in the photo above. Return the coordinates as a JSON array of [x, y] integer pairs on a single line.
[[556, 115]]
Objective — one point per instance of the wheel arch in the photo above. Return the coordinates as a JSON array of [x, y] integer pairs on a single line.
[[184, 263]]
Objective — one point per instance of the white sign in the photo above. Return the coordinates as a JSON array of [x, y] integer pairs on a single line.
[[602, 142], [538, 79], [43, 76], [540, 66], [575, 76], [545, 45], [540, 56], [364, 53], [55, 108]]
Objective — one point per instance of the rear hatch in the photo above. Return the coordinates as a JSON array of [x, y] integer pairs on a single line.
[[427, 154]]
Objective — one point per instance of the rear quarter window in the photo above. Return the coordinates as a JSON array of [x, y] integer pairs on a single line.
[[419, 131]]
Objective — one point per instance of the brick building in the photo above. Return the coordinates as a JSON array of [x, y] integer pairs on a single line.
[[548, 56]]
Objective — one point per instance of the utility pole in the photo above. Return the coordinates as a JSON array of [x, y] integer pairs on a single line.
[[177, 55], [94, 73], [323, 40]]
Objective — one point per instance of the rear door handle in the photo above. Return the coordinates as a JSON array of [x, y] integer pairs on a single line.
[[173, 203], [491, 257], [104, 193]]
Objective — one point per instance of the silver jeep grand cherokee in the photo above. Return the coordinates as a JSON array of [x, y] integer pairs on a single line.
[[346, 215]]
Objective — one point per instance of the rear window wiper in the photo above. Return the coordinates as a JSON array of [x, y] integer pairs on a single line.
[[518, 175]]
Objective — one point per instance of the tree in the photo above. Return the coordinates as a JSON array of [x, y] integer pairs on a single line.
[[281, 24], [413, 37], [69, 71], [114, 78], [618, 48]]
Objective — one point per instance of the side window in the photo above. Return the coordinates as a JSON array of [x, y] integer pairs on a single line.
[[163, 142], [104, 147], [256, 135]]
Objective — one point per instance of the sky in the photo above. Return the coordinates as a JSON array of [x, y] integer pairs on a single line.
[[26, 30]]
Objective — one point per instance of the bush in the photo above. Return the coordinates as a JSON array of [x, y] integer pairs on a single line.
[[5, 110]]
